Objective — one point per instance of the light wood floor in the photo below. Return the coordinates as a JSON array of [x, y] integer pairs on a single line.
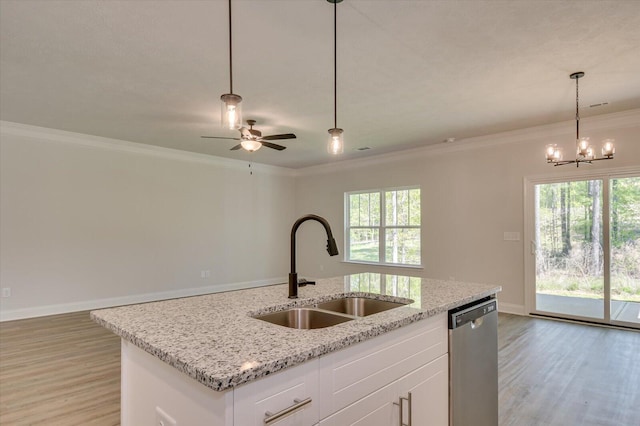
[[65, 370], [59, 370], [558, 373]]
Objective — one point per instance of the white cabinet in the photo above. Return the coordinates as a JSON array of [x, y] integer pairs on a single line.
[[429, 389], [424, 402], [357, 385], [352, 373]]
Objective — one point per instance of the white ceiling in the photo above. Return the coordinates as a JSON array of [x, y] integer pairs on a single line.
[[410, 73]]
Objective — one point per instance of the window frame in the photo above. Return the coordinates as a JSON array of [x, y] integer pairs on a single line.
[[382, 227]]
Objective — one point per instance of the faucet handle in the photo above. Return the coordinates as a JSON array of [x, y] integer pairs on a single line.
[[303, 281]]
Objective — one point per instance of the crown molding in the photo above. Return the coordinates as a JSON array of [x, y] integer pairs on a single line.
[[46, 134], [619, 120]]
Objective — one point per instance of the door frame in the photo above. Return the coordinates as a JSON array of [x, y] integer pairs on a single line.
[[529, 234]]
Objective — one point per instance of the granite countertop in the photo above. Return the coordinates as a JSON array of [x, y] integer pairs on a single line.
[[214, 339]]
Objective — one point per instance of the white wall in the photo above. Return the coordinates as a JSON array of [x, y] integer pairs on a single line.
[[472, 192], [87, 222]]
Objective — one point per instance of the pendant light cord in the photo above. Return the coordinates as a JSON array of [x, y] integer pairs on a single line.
[[230, 54], [577, 115], [335, 65]]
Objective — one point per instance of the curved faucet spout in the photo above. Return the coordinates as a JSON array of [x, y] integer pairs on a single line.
[[332, 249]]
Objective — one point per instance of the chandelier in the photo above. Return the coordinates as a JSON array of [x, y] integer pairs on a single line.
[[584, 151]]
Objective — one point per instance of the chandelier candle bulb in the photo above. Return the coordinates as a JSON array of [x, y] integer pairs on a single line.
[[608, 149], [583, 146], [551, 150]]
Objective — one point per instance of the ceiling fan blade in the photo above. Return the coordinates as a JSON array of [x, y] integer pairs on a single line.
[[278, 137], [219, 137], [235, 148], [273, 145]]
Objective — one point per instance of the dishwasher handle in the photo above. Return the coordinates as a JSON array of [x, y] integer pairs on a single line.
[[472, 314]]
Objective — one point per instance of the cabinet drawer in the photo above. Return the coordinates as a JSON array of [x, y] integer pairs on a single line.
[[354, 372], [276, 394]]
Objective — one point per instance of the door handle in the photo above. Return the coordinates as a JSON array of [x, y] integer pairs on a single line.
[[272, 417], [399, 404]]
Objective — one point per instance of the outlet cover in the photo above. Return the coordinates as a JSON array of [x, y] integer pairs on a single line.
[[163, 419], [6, 292]]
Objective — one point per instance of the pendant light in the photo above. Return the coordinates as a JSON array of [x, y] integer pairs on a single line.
[[336, 141], [584, 151], [231, 103]]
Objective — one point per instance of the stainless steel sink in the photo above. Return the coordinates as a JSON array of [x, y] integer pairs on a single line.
[[304, 318], [358, 306]]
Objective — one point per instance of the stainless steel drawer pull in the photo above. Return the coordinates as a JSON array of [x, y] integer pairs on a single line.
[[399, 404], [298, 403]]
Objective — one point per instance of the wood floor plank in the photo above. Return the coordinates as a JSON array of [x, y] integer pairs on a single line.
[[59, 370], [65, 370], [559, 373]]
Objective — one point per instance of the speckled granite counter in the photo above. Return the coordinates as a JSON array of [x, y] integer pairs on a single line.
[[214, 339]]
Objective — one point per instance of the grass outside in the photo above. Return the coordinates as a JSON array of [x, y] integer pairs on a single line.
[[623, 288], [368, 252]]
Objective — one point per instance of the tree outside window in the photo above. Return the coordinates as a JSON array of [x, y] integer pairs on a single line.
[[383, 226]]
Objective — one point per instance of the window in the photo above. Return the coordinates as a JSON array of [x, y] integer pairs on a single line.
[[383, 226]]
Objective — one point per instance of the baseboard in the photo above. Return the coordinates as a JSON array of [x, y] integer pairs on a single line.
[[40, 311], [511, 308]]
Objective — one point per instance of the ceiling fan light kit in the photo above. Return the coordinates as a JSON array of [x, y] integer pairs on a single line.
[[584, 150], [335, 144], [250, 145], [231, 103]]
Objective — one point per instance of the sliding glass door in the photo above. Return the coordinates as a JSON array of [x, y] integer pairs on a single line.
[[586, 249], [625, 249]]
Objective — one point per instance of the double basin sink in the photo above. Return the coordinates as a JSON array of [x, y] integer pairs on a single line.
[[329, 313]]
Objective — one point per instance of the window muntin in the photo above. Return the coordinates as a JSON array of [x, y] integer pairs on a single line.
[[383, 226]]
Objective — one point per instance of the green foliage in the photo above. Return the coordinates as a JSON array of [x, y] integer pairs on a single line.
[[399, 226], [570, 257]]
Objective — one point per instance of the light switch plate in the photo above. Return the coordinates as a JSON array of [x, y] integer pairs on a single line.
[[512, 236]]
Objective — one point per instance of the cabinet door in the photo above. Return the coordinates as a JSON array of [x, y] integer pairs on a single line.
[[256, 401], [376, 409], [429, 388]]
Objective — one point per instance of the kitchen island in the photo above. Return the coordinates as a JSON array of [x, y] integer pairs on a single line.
[[207, 360]]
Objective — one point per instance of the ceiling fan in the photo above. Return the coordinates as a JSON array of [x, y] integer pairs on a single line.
[[252, 139]]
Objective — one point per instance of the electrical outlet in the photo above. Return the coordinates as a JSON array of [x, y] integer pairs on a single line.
[[6, 292], [205, 274], [163, 419]]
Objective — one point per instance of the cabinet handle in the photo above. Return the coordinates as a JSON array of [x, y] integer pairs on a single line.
[[298, 403], [399, 404]]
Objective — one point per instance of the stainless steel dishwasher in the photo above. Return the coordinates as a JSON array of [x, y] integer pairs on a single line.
[[473, 364]]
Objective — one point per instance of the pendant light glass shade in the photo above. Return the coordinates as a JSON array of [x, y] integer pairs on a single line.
[[251, 145], [231, 117], [335, 145]]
